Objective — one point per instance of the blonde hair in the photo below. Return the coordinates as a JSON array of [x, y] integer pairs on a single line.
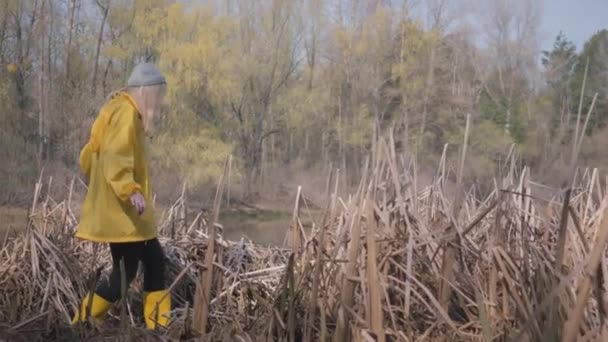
[[148, 99]]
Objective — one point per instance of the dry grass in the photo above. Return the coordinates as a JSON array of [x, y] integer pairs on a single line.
[[372, 269], [12, 219]]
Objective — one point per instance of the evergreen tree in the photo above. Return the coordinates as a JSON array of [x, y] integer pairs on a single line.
[[595, 53], [558, 69]]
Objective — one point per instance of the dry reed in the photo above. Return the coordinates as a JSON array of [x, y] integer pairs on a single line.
[[386, 264]]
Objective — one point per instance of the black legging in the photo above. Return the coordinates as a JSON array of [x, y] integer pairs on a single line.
[[149, 252]]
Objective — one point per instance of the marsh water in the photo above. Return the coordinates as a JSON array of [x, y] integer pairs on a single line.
[[261, 226]]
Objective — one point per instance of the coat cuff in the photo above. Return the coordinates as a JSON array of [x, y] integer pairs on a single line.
[[130, 190]]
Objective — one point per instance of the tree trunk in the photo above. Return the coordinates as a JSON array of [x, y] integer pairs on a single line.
[[98, 48], [48, 82], [324, 153], [104, 83], [406, 127], [263, 161], [427, 91], [340, 122], [271, 154], [455, 67], [70, 29], [508, 123], [306, 143], [2, 38], [41, 109], [290, 149], [20, 45], [33, 20], [311, 59], [251, 142]]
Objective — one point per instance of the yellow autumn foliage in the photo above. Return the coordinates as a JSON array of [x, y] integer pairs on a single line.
[[189, 45], [272, 82], [197, 157]]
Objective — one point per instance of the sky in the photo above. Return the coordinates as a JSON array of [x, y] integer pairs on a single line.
[[578, 19]]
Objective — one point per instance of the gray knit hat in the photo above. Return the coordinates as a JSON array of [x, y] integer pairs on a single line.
[[145, 74]]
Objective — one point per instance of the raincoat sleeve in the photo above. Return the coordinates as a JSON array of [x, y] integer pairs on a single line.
[[85, 160], [118, 151]]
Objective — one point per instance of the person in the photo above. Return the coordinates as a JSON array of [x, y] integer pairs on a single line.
[[117, 208]]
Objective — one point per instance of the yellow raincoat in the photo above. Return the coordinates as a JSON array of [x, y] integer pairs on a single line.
[[115, 162]]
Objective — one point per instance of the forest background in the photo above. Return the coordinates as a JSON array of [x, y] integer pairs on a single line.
[[294, 88]]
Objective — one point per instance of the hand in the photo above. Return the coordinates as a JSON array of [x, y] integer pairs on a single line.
[[139, 202]]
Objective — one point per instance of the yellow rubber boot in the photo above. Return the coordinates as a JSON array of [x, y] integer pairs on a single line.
[[99, 308], [153, 317]]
